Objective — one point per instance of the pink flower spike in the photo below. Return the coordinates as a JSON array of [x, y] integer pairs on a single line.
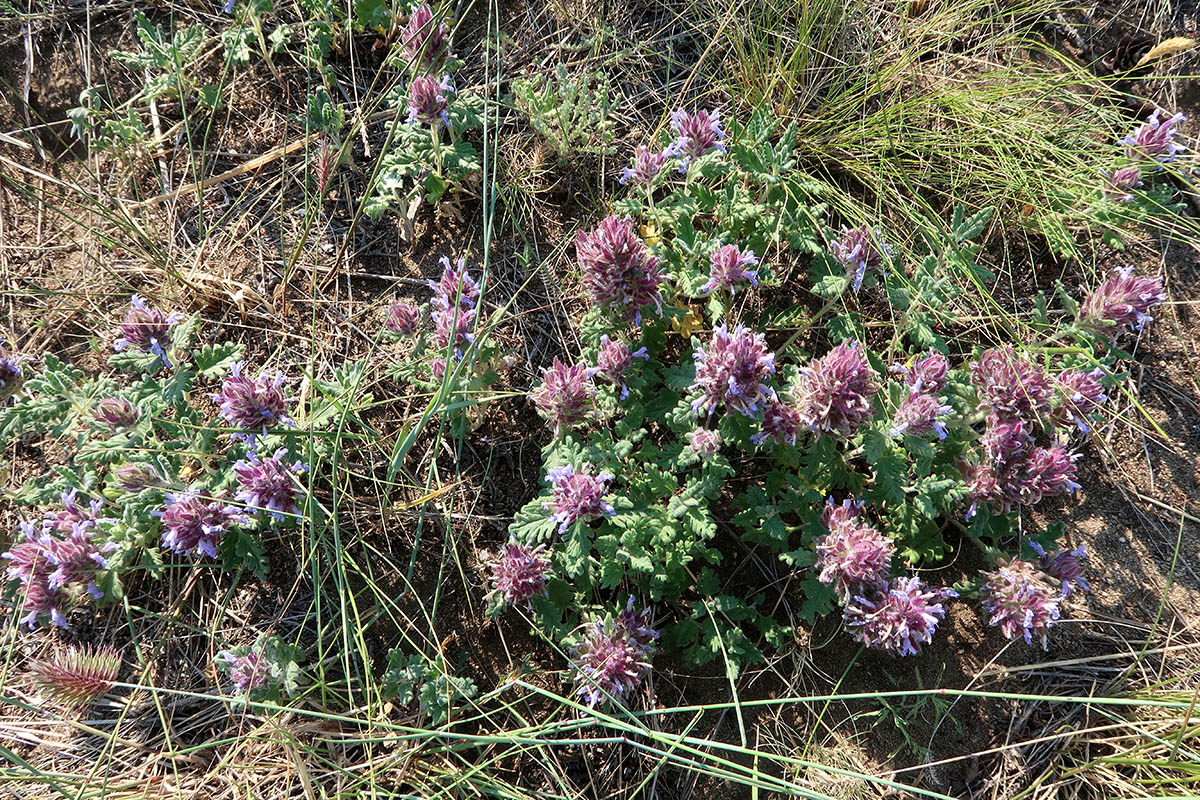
[[729, 268], [835, 392], [619, 273], [578, 496]]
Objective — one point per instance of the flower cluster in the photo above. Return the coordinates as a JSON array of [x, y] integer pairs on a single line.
[[1009, 386], [147, 329], [852, 557], [54, 556], [898, 617], [705, 442], [247, 672], [269, 484], [613, 656], [619, 272], [696, 134], [613, 360], [1009, 470], [926, 374], [251, 405], [426, 41], [455, 303], [519, 574], [647, 164], [1119, 184], [1080, 395], [860, 251], [1154, 140], [12, 377], [115, 414], [920, 415], [1123, 300], [781, 424], [732, 371], [1065, 566], [1022, 600], [194, 523], [729, 268], [403, 319], [835, 392], [134, 476], [564, 397], [427, 100], [578, 495]]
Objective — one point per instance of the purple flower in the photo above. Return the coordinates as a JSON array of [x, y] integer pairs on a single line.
[[919, 415], [613, 656], [455, 298], [134, 476], [27, 558], [1122, 300], [1120, 183], [269, 484], [1065, 566], [898, 617], [147, 329], [75, 559], [638, 625], [247, 672], [1080, 394], [838, 517], [704, 442], [732, 371], [1049, 472], [696, 135], [618, 270], [45, 562], [564, 397], [453, 328], [646, 166], [926, 373], [115, 414], [73, 515], [729, 268], [781, 424], [1011, 471], [194, 524], [39, 601], [426, 41], [1022, 601], [403, 318], [437, 368], [427, 101], [613, 360], [252, 405], [578, 495], [455, 287], [1154, 140], [859, 251], [1010, 386], [12, 377], [519, 574], [853, 556], [834, 393]]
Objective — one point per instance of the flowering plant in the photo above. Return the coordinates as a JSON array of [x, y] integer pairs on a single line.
[[855, 466], [154, 471]]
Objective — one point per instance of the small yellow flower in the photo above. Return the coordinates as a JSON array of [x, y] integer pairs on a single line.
[[650, 234], [689, 324]]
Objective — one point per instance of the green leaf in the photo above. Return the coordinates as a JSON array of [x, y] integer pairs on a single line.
[[132, 360], [214, 360]]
